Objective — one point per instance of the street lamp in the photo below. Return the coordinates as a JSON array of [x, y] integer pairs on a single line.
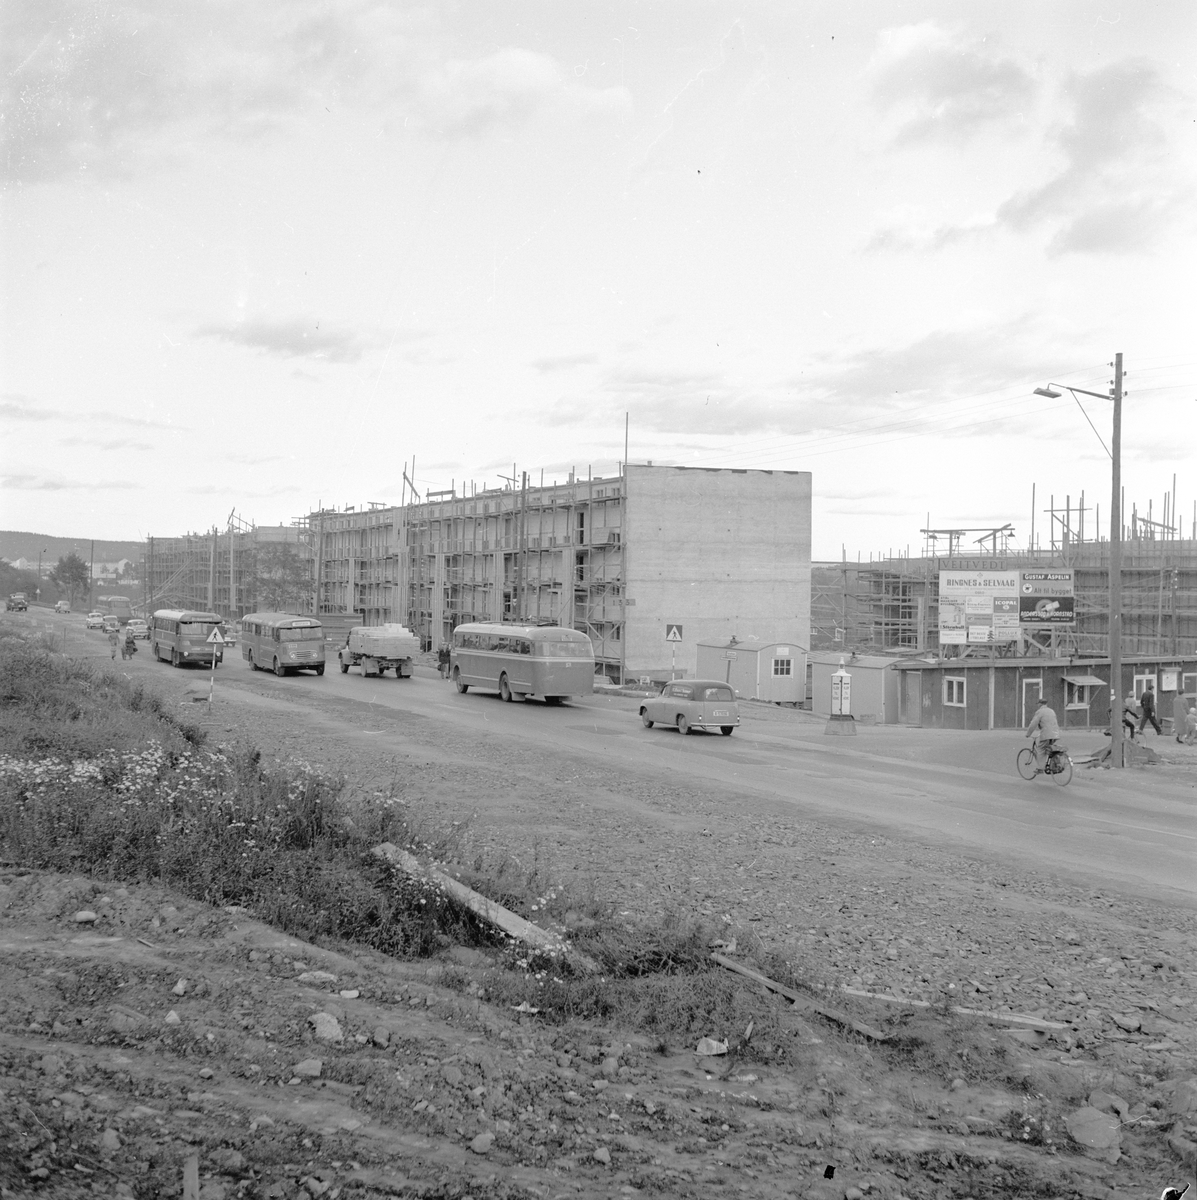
[[39, 573], [1114, 450]]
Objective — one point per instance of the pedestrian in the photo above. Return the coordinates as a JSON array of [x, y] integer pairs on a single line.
[[1147, 701], [114, 638], [1130, 714], [1180, 712], [129, 645], [1191, 724], [442, 660]]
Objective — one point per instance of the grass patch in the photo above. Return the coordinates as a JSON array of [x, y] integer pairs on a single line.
[[98, 777]]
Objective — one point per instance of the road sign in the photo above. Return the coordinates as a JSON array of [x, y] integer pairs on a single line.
[[216, 637], [673, 633]]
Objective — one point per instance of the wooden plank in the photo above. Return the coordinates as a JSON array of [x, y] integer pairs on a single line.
[[191, 1178], [999, 1018], [494, 914], [801, 1001]]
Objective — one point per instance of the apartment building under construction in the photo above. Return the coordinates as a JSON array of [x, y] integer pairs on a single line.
[[648, 562], [231, 571], [892, 603]]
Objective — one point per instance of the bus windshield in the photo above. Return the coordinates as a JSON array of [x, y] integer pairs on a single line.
[[197, 629], [563, 649], [302, 633]]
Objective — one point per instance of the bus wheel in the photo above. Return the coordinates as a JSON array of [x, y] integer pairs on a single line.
[[553, 699], [461, 687], [174, 658], [320, 669], [279, 669], [505, 689]]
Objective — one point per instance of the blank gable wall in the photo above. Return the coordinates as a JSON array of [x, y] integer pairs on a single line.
[[721, 552]]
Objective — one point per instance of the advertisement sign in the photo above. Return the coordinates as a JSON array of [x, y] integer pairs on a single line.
[[978, 607], [1046, 599]]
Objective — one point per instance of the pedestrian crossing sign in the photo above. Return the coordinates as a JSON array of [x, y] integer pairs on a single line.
[[216, 637], [673, 633]]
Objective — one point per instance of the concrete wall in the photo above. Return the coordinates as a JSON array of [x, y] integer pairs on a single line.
[[721, 552]]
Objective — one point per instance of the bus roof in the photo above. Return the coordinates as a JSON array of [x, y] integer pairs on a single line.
[[563, 632], [281, 618], [186, 614]]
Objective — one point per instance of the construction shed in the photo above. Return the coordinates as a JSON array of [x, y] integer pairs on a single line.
[[874, 693], [772, 671], [1002, 693]]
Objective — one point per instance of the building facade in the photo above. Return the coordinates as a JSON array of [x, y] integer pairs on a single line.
[[629, 559]]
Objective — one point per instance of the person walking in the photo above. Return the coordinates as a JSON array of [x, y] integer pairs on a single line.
[[442, 660], [1147, 700], [114, 638], [129, 645]]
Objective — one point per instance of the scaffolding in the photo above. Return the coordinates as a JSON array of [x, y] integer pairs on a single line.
[[220, 570], [891, 603], [520, 553]]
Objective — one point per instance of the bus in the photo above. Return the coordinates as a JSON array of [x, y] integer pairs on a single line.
[[282, 642], [181, 636], [522, 660], [120, 607]]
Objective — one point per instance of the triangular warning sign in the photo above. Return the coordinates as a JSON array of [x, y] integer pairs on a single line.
[[216, 637], [673, 633]]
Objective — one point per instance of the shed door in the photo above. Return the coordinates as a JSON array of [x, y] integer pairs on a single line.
[[912, 697], [1032, 692]]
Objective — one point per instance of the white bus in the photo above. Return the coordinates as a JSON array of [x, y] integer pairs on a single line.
[[182, 636], [522, 660], [282, 642]]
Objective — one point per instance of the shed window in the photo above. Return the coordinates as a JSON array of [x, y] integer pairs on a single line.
[[783, 666], [953, 692], [1076, 695]]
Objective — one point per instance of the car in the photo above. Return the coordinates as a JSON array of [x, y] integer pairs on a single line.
[[16, 602], [693, 704], [138, 628], [95, 620], [62, 606], [111, 623]]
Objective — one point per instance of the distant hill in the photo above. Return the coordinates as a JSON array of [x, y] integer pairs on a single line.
[[14, 545]]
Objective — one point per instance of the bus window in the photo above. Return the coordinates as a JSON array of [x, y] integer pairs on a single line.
[[308, 633], [561, 649]]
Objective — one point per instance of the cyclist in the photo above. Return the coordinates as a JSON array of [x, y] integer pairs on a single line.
[[1045, 728]]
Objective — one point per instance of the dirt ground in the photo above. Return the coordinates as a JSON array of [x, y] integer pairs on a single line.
[[163, 1030]]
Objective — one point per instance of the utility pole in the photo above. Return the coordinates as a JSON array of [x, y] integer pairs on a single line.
[[1116, 740]]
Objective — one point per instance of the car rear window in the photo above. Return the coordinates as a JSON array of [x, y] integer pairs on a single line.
[[717, 693]]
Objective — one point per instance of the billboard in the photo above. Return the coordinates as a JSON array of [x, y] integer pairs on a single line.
[[978, 607], [1046, 599]]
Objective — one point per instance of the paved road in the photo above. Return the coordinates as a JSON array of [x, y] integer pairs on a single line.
[[1134, 830]]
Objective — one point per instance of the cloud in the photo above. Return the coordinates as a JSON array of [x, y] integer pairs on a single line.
[[1117, 190], [512, 86], [107, 90], [20, 408], [937, 84], [297, 338], [100, 444], [564, 362], [1119, 186], [40, 483]]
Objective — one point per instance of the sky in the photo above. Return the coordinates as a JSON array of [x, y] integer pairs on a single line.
[[265, 257]]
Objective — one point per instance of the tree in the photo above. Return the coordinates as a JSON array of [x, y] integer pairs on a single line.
[[71, 574], [282, 578]]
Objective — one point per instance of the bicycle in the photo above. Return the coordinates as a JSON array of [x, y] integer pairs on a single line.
[[1058, 764]]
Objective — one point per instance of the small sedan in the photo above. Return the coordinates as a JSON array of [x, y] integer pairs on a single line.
[[110, 624], [138, 628], [693, 704], [62, 607], [95, 620]]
